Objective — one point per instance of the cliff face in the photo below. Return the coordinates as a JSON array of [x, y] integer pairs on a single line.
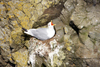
[[76, 43]]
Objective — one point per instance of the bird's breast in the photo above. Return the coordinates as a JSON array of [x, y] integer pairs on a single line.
[[51, 33]]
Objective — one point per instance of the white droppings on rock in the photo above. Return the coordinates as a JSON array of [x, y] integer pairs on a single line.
[[55, 52], [42, 50], [53, 43], [32, 58], [96, 20], [58, 35], [67, 63], [51, 55], [81, 26], [72, 51]]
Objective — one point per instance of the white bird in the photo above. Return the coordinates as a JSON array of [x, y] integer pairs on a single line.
[[42, 33]]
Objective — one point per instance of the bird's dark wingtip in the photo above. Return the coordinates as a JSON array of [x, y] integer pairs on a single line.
[[24, 29]]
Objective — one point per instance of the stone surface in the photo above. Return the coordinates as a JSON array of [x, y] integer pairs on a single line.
[[20, 57], [50, 51], [65, 49]]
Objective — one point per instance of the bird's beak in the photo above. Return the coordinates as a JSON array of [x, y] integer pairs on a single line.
[[52, 23]]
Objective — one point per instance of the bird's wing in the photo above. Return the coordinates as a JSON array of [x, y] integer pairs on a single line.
[[40, 33]]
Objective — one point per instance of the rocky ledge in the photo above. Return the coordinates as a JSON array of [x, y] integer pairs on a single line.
[[75, 44]]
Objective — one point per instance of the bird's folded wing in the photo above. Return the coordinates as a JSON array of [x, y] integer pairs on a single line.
[[40, 33]]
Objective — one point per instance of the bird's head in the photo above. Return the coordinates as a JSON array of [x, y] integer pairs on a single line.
[[50, 23]]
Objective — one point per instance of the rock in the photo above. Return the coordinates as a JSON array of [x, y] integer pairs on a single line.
[[6, 58], [39, 9], [94, 36], [88, 32], [27, 7], [65, 49], [59, 29], [20, 57], [49, 51], [67, 11], [93, 2], [49, 14], [67, 40], [16, 40], [37, 1]]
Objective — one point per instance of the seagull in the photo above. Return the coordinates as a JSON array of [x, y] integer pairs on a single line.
[[42, 33]]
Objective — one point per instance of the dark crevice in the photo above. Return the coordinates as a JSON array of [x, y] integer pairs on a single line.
[[11, 48], [74, 27], [10, 28], [27, 37], [43, 65], [6, 11], [89, 36], [12, 65], [64, 31], [87, 64]]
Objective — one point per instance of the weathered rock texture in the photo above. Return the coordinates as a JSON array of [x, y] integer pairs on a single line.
[[65, 49]]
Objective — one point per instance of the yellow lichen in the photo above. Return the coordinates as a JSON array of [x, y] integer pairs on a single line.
[[21, 0], [58, 60], [43, 8], [1, 3], [10, 40], [8, 49], [27, 9], [10, 15], [0, 10], [1, 39], [23, 19], [71, 17], [10, 59], [27, 43], [9, 55], [66, 40], [16, 12], [66, 30], [3, 32], [47, 6], [37, 1], [25, 22], [15, 24], [1, 46], [16, 36], [50, 3], [68, 48], [20, 6], [10, 3], [21, 58], [4, 40], [67, 44], [7, 26], [8, 9]]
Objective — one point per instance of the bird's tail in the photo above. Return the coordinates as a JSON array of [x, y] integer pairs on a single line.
[[24, 29]]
